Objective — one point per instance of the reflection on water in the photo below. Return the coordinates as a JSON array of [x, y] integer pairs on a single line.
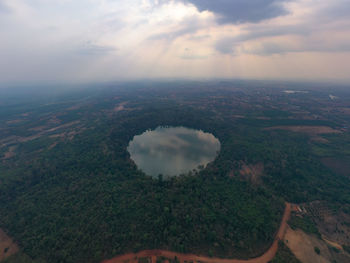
[[172, 151]]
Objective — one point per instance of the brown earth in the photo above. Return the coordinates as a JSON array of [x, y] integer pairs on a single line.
[[252, 172], [120, 106], [75, 107], [53, 145], [303, 247], [332, 244], [14, 121], [154, 254], [335, 227], [319, 139], [7, 246], [345, 110], [68, 135], [10, 153], [38, 128], [340, 165], [17, 139], [333, 223], [311, 130]]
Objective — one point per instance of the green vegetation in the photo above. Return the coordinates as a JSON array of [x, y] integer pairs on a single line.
[[317, 250], [20, 258], [334, 249], [284, 255], [304, 223], [337, 146], [89, 202], [72, 194], [346, 248]]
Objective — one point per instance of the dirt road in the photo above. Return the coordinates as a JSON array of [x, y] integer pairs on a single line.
[[153, 254]]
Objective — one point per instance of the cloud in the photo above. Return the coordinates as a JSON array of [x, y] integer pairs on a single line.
[[77, 40], [4, 8], [242, 11], [178, 20], [338, 9], [306, 31], [192, 55], [90, 48], [189, 25], [225, 45], [270, 48]]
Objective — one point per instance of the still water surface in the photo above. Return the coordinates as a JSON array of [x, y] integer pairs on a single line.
[[172, 151]]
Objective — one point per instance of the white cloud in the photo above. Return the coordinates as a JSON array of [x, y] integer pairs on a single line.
[[94, 40]]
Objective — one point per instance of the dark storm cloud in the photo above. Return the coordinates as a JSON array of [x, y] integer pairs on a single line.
[[226, 45], [329, 18], [242, 11]]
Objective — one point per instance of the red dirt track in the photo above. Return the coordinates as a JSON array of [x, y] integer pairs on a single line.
[[153, 254]]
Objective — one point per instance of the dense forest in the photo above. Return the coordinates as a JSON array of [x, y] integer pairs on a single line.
[[82, 199]]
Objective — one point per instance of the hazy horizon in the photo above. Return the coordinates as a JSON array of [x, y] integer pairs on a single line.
[[72, 42]]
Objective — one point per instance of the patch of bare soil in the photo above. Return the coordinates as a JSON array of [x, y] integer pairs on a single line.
[[150, 256], [335, 228], [252, 172], [303, 247], [311, 130], [68, 135], [75, 107], [10, 153], [38, 128], [7, 246], [17, 139], [58, 135], [339, 165], [333, 225], [237, 116], [53, 145], [120, 107], [263, 118], [345, 110], [63, 126], [333, 244], [319, 139], [54, 120], [14, 121]]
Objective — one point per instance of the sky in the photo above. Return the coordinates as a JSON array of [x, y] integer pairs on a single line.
[[111, 40]]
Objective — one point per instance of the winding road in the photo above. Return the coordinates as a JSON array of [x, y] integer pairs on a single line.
[[153, 254]]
